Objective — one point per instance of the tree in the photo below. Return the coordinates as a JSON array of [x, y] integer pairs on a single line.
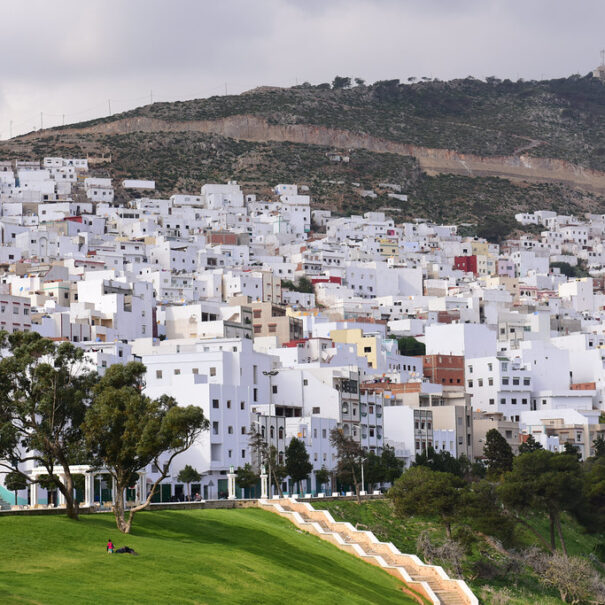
[[322, 476], [421, 491], [393, 466], [297, 461], [599, 447], [529, 445], [268, 455], [497, 453], [408, 345], [44, 390], [360, 81], [341, 82], [188, 475], [572, 450], [349, 455], [374, 470], [127, 430], [441, 461], [246, 476], [14, 482], [546, 482]]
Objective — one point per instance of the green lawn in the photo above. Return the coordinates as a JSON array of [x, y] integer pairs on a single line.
[[203, 556]]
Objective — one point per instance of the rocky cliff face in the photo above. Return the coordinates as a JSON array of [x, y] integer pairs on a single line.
[[432, 161]]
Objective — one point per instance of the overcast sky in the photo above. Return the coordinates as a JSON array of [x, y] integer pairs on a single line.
[[66, 58]]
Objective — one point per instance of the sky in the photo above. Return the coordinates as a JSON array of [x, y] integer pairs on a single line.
[[71, 60]]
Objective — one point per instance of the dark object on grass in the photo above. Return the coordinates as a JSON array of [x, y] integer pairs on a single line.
[[125, 550]]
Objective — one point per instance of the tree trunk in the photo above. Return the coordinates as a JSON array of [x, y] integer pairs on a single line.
[[67, 489], [448, 527], [535, 532], [277, 485], [119, 511], [560, 532]]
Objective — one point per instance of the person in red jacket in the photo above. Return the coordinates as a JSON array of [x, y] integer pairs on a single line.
[[109, 547]]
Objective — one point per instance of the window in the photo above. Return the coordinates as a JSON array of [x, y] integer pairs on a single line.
[[215, 404], [480, 382], [514, 401], [177, 371], [255, 395], [215, 428], [491, 401], [212, 371], [367, 349], [526, 381], [490, 382], [158, 373], [490, 367], [502, 401], [305, 382], [243, 453], [230, 430], [315, 411], [323, 433], [243, 430], [228, 404], [516, 381], [195, 371], [242, 405], [470, 369], [508, 434], [504, 379], [470, 384], [274, 388], [523, 401]]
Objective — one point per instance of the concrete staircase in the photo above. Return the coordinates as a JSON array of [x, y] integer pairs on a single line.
[[429, 581]]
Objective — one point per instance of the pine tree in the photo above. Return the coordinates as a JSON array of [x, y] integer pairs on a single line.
[[497, 453]]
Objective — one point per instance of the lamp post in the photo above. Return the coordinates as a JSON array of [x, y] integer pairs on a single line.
[[362, 476], [270, 374]]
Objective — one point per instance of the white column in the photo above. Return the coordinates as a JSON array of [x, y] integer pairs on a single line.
[[231, 484], [33, 491], [264, 486], [142, 487], [88, 489]]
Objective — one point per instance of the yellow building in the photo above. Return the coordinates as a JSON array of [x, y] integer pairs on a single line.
[[388, 247], [367, 346], [480, 248]]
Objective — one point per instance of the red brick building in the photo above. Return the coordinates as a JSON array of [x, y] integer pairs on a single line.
[[444, 369], [468, 264]]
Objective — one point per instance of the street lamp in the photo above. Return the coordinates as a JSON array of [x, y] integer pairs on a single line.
[[362, 477]]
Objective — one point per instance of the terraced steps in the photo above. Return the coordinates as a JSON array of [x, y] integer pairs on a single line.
[[429, 581]]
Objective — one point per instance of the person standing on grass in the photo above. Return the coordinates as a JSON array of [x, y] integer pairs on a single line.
[[109, 547]]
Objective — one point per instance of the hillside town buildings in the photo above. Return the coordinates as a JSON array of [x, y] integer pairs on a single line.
[[272, 315]]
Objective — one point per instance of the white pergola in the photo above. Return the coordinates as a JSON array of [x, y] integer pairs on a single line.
[[89, 482]]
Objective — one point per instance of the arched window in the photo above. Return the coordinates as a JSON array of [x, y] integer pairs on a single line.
[[272, 432], [281, 432]]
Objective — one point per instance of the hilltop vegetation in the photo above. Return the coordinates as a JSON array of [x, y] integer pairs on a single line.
[[496, 117]]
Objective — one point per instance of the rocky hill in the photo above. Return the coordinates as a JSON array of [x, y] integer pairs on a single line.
[[464, 150]]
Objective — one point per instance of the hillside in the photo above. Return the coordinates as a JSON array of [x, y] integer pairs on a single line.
[[210, 556], [497, 579], [464, 151]]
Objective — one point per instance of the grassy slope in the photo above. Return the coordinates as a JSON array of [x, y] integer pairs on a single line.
[[523, 586], [235, 556]]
